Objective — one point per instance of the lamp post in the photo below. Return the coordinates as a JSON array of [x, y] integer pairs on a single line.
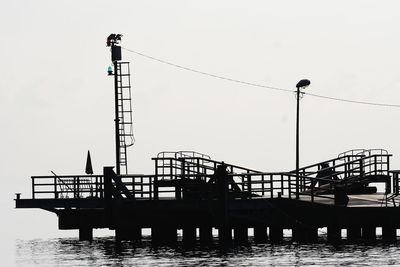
[[302, 84]]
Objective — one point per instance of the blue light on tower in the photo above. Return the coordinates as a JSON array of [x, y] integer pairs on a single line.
[[110, 70]]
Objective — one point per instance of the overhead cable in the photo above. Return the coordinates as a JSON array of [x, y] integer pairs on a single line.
[[259, 85]]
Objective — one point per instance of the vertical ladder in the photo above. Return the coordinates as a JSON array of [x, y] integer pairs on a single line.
[[124, 117]]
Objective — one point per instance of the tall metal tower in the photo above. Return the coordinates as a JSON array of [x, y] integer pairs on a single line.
[[123, 104]]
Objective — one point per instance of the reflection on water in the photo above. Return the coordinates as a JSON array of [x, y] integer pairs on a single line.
[[106, 252]]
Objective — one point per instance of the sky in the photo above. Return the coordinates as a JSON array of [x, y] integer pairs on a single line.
[[56, 100]]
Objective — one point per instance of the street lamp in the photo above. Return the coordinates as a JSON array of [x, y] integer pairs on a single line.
[[302, 84]]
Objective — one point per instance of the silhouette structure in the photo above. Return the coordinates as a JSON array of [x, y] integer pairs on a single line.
[[189, 191], [89, 168]]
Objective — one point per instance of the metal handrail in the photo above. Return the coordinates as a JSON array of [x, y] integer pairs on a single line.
[[302, 169], [252, 184], [229, 165], [176, 164], [348, 163], [361, 151], [179, 154]]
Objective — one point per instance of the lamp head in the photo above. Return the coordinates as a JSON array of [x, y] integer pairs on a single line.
[[303, 83]]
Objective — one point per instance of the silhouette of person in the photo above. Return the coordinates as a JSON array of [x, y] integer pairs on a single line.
[[325, 172]]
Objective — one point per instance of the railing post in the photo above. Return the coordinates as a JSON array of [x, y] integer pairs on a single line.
[[312, 193], [183, 166], [134, 187], [272, 185], [142, 186], [289, 185], [262, 184], [90, 185], [150, 188], [387, 164], [33, 187], [155, 181], [249, 184], [361, 168], [102, 184], [77, 187], [171, 169], [96, 183], [74, 187], [55, 187]]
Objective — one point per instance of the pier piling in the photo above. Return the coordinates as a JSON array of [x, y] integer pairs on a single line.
[[389, 233], [164, 235], [125, 233], [85, 234], [240, 234], [275, 234], [369, 233], [305, 234], [334, 234], [189, 235], [260, 234], [206, 235], [353, 233]]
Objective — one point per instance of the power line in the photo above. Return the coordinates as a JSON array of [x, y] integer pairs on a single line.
[[206, 73], [259, 85], [354, 101]]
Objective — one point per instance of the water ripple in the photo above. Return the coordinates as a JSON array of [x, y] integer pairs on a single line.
[[106, 252]]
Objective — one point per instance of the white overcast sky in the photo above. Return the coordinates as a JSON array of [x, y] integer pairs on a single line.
[[57, 102]]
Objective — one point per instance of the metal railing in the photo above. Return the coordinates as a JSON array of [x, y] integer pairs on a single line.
[[173, 168], [197, 173], [350, 166], [67, 186], [88, 186]]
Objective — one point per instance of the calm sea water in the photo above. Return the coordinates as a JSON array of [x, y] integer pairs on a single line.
[[106, 252]]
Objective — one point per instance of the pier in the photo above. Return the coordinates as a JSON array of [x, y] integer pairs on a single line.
[[191, 192]]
